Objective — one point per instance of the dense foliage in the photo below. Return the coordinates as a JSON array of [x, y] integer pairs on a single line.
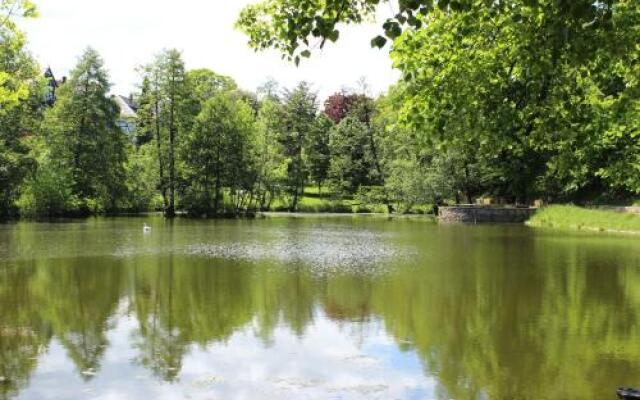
[[516, 101], [295, 27], [547, 107], [18, 86]]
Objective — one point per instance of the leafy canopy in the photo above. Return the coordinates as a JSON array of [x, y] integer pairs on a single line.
[[295, 27]]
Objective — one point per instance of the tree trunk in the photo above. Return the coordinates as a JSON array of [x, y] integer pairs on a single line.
[[163, 186], [467, 190], [294, 203], [171, 210], [216, 196]]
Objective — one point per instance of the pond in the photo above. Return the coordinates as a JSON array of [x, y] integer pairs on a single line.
[[315, 308]]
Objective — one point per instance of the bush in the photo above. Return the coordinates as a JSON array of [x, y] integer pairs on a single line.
[[326, 206], [48, 193]]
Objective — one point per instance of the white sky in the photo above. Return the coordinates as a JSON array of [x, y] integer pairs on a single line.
[[127, 33]]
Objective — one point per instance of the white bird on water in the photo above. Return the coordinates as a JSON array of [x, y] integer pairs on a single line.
[[146, 228]]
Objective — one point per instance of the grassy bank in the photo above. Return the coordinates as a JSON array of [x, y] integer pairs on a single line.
[[313, 201], [572, 217]]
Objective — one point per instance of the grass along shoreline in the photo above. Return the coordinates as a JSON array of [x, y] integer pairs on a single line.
[[578, 218]]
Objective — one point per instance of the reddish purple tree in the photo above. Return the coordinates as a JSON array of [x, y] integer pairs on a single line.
[[341, 104]]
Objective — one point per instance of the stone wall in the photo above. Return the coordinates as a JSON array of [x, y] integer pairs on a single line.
[[485, 214]]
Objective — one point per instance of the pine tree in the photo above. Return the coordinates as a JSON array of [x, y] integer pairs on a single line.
[[318, 154], [166, 115], [299, 116], [150, 122], [175, 97], [83, 134]]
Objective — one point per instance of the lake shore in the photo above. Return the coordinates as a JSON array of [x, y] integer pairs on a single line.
[[578, 218]]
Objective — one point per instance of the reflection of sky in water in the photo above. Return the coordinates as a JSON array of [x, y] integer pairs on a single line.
[[330, 361], [269, 309]]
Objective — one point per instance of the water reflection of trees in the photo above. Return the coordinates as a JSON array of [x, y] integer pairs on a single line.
[[24, 334], [558, 323], [80, 296]]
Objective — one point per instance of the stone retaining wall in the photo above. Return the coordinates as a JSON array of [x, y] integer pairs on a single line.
[[485, 214]]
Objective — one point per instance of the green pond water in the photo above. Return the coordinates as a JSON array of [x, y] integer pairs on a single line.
[[315, 308]]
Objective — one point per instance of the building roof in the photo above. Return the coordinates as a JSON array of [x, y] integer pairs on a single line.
[[127, 107]]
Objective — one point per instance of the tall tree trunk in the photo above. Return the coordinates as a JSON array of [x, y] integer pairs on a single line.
[[294, 203], [467, 189], [296, 194], [218, 182], [376, 159], [216, 196], [163, 186], [171, 210]]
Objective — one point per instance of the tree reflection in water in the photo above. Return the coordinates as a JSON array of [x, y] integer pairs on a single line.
[[492, 312]]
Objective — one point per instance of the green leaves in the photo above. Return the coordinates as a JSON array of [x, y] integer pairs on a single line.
[[84, 137], [379, 42], [392, 29], [291, 26], [216, 153], [333, 35], [543, 100]]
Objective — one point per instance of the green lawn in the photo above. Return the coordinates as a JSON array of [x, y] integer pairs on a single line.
[[328, 202], [572, 217]]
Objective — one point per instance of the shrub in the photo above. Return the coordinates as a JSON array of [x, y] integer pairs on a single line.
[[48, 193]]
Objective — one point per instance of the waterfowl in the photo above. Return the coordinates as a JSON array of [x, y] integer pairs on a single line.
[[628, 393]]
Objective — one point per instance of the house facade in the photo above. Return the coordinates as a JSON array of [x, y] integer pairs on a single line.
[[128, 120]]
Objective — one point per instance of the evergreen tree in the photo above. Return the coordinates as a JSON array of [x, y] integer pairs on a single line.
[[175, 97], [84, 138], [298, 119], [165, 114], [318, 154], [150, 123], [351, 160], [269, 155]]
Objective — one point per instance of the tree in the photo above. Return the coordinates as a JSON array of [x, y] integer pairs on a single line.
[[354, 147], [204, 84], [351, 160], [270, 160], [14, 77], [298, 119], [166, 113], [174, 91], [339, 105], [290, 26], [141, 179], [532, 96], [82, 133], [150, 123], [48, 190], [19, 103], [216, 153], [318, 152]]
